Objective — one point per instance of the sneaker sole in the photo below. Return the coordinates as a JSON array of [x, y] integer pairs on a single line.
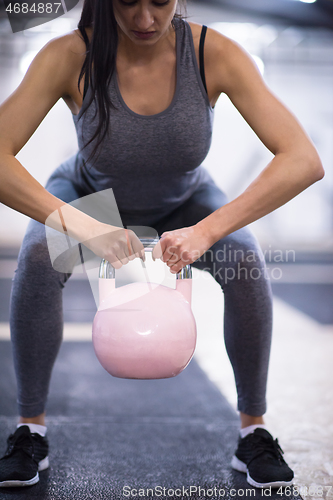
[[15, 483], [241, 467]]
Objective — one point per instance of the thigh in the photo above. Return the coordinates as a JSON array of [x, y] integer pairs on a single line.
[[63, 185], [237, 247], [205, 200], [62, 188], [36, 249]]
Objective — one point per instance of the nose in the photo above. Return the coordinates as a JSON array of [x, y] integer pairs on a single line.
[[143, 18]]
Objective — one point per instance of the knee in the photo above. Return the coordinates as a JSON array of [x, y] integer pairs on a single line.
[[34, 250], [247, 263], [34, 262], [236, 262]]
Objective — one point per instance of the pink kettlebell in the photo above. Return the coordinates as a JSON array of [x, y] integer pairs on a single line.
[[144, 330]]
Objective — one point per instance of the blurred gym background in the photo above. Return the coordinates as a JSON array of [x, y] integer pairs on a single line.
[[291, 41]]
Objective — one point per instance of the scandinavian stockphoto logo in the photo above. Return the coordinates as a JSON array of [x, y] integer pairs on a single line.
[[25, 14], [70, 256]]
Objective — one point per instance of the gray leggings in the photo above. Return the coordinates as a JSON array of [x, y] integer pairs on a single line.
[[236, 262]]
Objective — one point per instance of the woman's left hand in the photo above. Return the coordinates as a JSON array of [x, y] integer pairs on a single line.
[[181, 247]]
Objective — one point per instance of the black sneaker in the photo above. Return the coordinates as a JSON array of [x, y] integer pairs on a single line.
[[26, 455], [260, 457]]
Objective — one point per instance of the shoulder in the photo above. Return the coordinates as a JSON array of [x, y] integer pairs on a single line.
[[64, 49], [225, 60], [215, 43], [59, 60]]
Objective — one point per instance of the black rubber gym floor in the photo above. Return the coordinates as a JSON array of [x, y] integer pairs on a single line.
[[110, 438]]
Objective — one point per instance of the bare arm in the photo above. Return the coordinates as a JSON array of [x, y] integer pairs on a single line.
[[43, 85], [295, 166], [46, 81]]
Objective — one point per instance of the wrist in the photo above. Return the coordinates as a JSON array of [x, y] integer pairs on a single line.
[[77, 224], [208, 228]]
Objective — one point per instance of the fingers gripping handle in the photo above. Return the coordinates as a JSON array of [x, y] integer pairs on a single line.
[[107, 274]]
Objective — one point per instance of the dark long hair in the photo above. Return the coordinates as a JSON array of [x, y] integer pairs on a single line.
[[100, 61]]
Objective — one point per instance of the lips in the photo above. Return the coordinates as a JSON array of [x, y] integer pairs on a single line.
[[143, 35]]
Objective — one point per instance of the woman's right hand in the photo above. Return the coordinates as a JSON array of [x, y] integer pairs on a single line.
[[116, 245]]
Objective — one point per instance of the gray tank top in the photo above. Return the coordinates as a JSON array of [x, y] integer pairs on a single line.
[[152, 163]]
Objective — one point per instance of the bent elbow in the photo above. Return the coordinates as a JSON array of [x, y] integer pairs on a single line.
[[315, 170], [318, 171], [321, 172]]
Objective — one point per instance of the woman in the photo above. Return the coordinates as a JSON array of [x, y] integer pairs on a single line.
[[144, 128]]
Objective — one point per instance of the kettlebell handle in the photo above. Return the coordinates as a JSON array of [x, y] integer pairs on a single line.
[[107, 271]]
